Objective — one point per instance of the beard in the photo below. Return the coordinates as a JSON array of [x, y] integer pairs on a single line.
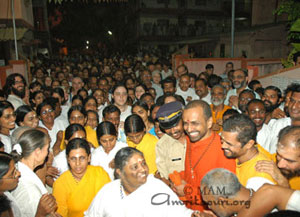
[[243, 108], [217, 102], [239, 85], [20, 94], [289, 174], [269, 106]]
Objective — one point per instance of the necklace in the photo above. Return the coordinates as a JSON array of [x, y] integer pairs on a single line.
[[202, 155]]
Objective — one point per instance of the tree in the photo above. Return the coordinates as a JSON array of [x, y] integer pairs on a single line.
[[292, 9]]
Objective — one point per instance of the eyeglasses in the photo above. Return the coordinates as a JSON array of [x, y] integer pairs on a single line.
[[47, 111], [14, 174]]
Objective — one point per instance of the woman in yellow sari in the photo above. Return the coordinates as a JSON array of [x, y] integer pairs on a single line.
[[75, 189]]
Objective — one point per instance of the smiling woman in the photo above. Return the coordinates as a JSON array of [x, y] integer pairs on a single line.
[[7, 123], [75, 189], [135, 193]]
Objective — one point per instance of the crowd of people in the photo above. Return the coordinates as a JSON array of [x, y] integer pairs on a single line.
[[128, 136]]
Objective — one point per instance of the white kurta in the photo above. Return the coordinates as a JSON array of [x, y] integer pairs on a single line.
[[7, 143], [100, 158], [276, 127], [14, 205], [154, 198], [29, 191], [125, 114], [185, 94], [207, 98], [264, 137], [60, 162], [294, 201], [58, 125]]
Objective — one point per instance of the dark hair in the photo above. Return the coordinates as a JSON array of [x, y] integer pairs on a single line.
[[94, 112], [140, 104], [34, 84], [252, 83], [134, 124], [284, 213], [71, 129], [141, 85], [204, 105], [248, 91], [123, 155], [205, 74], [59, 91], [106, 128], [82, 89], [161, 99], [193, 75], [29, 141], [292, 87], [33, 95], [5, 105], [243, 125], [88, 98], [5, 159], [110, 109], [151, 110], [77, 97], [21, 112], [168, 80], [201, 79], [146, 94], [117, 86], [213, 80], [76, 144], [209, 66], [255, 101], [10, 81], [279, 95], [260, 90], [77, 108], [44, 103], [230, 112]]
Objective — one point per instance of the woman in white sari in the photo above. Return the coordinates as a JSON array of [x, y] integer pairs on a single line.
[[136, 193]]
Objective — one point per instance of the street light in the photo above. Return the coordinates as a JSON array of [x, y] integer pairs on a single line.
[[87, 42], [109, 32]]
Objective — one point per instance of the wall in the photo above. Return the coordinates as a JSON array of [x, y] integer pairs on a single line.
[[281, 78], [23, 10], [267, 42]]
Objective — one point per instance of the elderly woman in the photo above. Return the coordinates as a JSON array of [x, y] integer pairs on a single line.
[[75, 189], [9, 178], [104, 155], [135, 193], [32, 151]]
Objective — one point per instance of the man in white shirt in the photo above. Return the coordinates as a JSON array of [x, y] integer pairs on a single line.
[[15, 89], [202, 91], [294, 119], [239, 80], [257, 113], [184, 89]]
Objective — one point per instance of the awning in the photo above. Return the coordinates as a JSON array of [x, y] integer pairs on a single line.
[[7, 33]]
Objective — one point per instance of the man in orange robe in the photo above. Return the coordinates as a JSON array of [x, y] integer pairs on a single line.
[[203, 152]]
